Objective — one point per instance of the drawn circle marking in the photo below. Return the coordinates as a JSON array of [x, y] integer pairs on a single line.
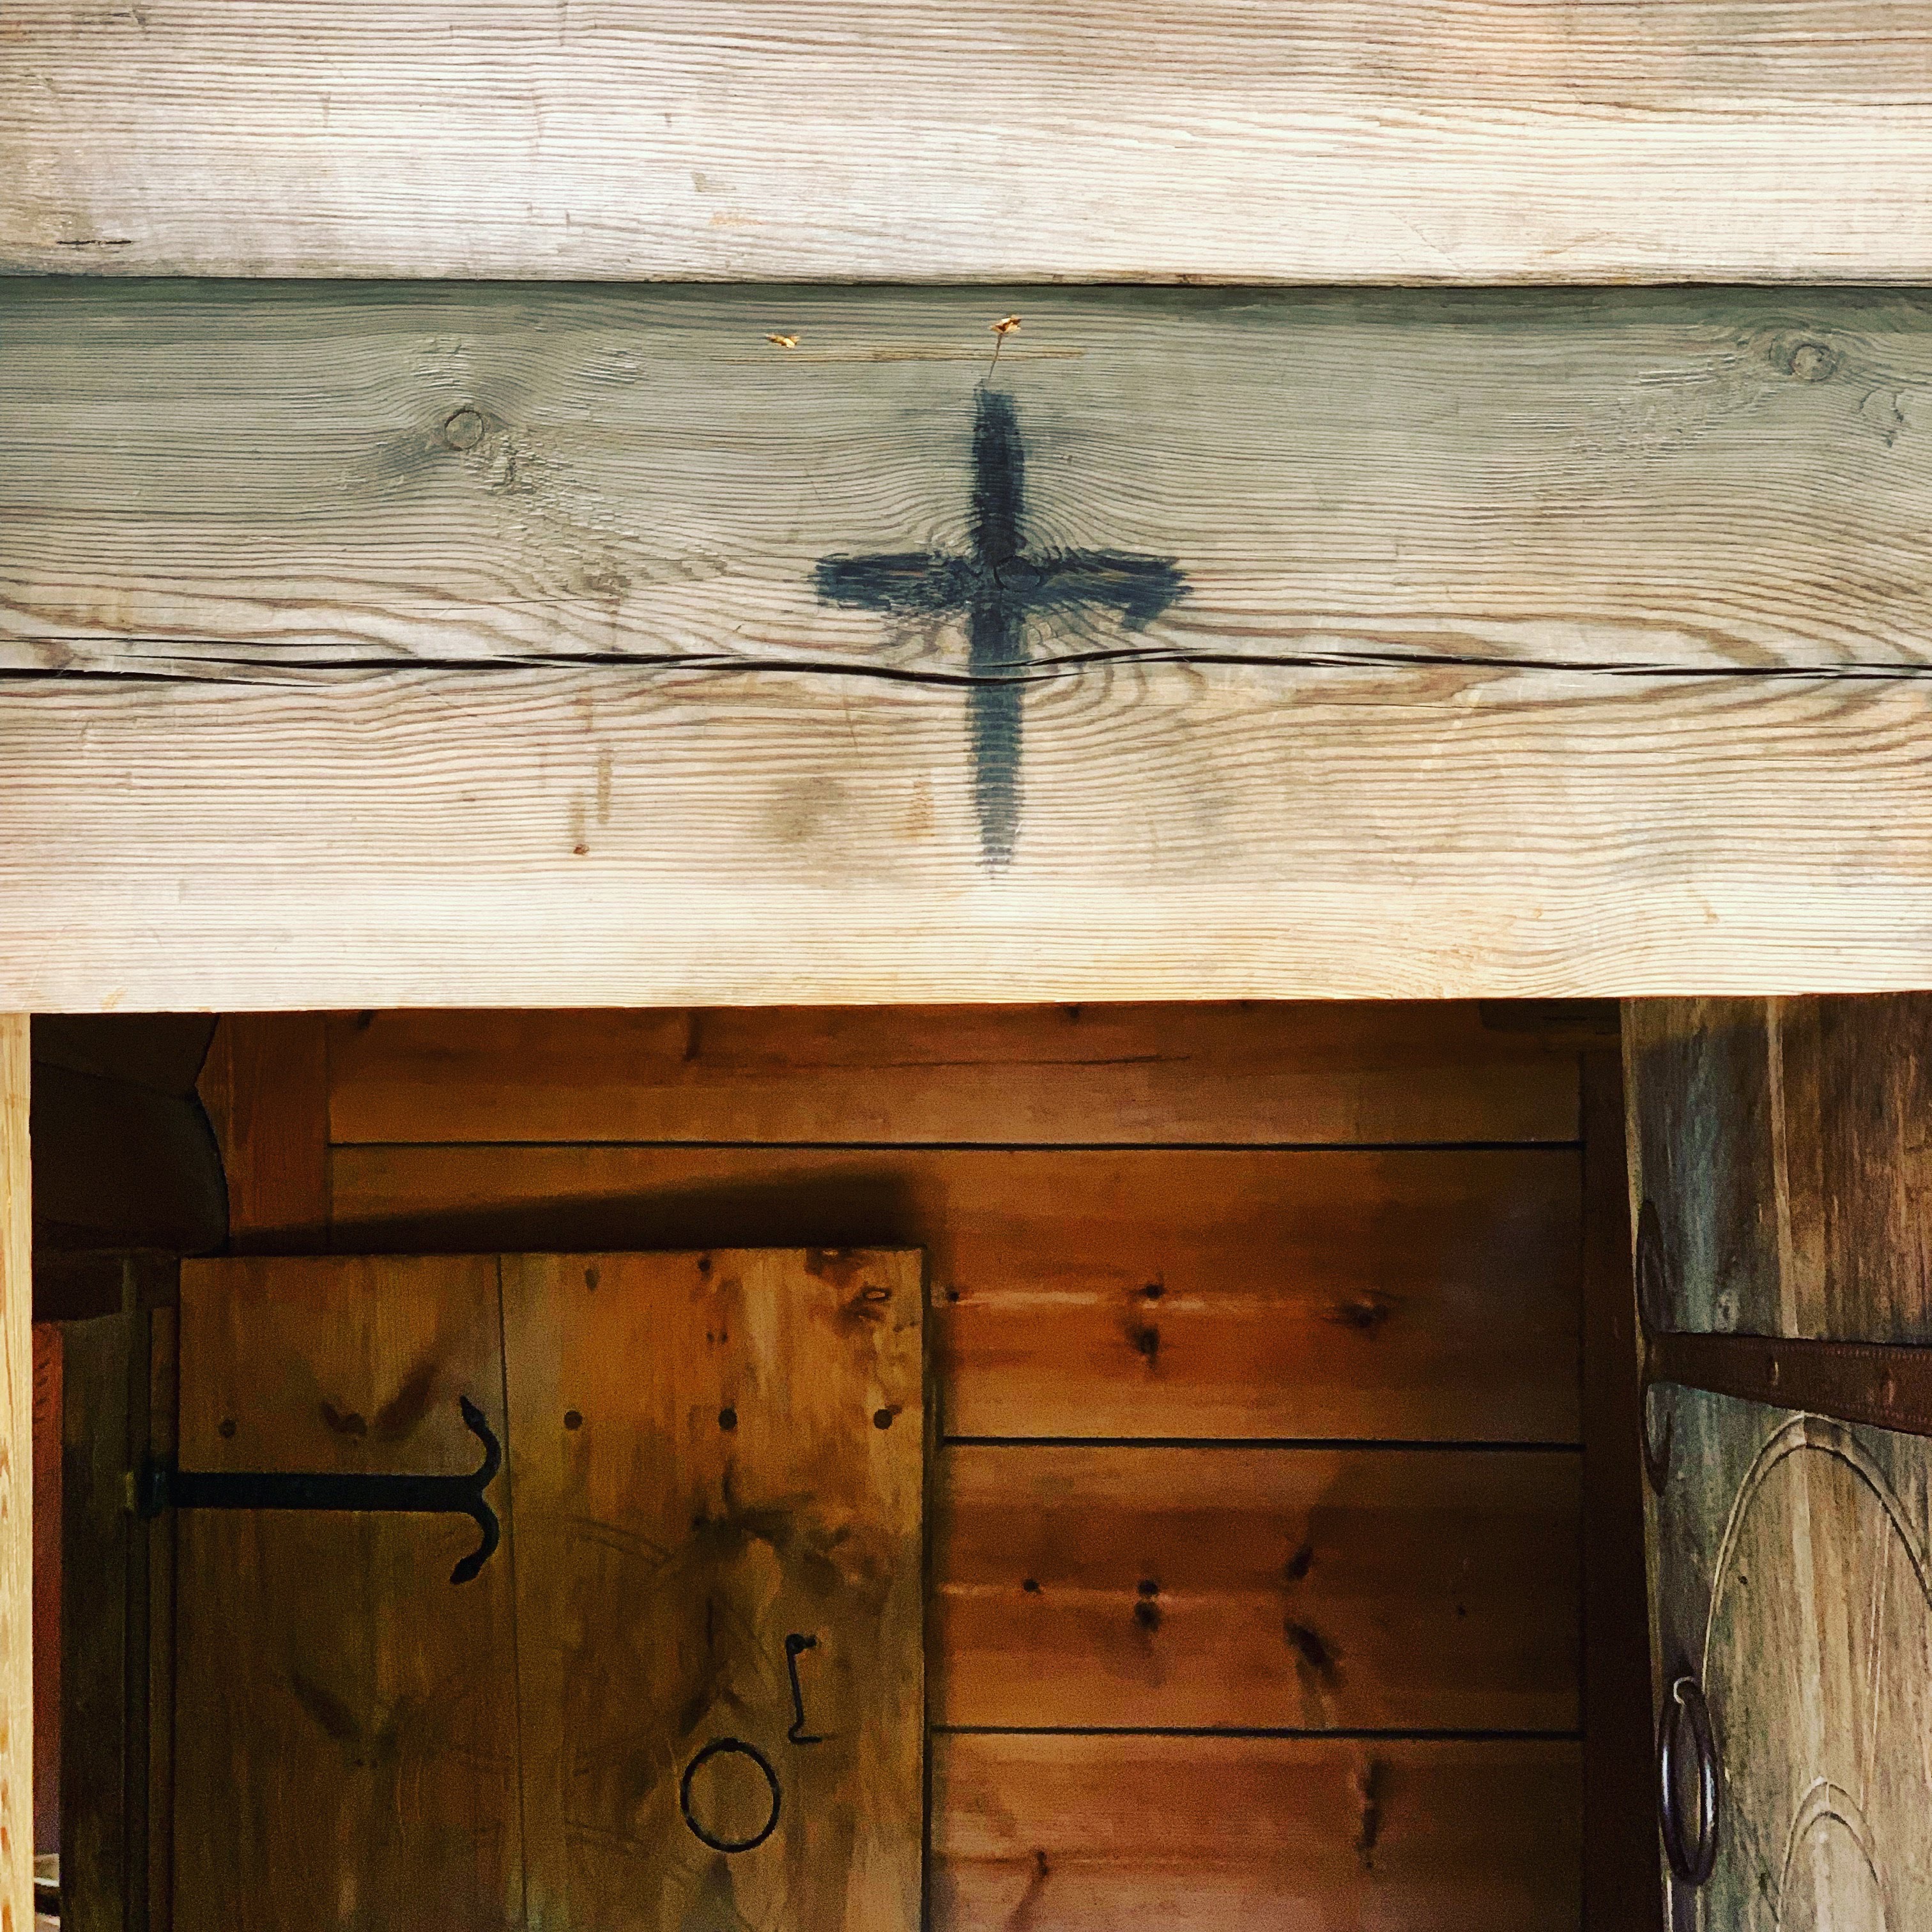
[[729, 1747]]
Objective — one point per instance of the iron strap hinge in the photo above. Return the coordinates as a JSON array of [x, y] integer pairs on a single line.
[[1883, 1384], [163, 1485]]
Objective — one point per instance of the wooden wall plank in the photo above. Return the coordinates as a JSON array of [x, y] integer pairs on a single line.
[[1477, 141], [770, 838], [16, 1479], [234, 479], [1089, 1834], [265, 1087], [1308, 1074], [1397, 1589], [1411, 1294]]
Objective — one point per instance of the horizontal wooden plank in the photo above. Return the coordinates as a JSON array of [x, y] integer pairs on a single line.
[[1314, 1074], [1113, 1588], [1091, 1833], [1406, 1295], [250, 479], [626, 837], [1474, 140]]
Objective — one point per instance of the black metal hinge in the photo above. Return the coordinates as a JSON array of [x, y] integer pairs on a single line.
[[162, 1486]]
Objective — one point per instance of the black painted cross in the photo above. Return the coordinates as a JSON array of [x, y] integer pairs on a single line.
[[1001, 588]]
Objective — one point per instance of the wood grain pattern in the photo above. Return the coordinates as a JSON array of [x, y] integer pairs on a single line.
[[1387, 1294], [1785, 1148], [1090, 1833], [1470, 140], [1323, 1073], [17, 1479], [1856, 1088], [1792, 1579], [236, 481], [265, 1087], [344, 1749], [714, 1452], [1402, 1589], [1778, 1147], [1224, 833]]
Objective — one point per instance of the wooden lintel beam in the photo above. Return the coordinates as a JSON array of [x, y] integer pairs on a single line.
[[441, 646]]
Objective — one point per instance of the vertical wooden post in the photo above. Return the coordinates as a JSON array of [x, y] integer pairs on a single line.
[[265, 1087], [1620, 1889], [17, 1486]]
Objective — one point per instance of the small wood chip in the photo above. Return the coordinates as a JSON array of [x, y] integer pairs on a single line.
[[783, 341]]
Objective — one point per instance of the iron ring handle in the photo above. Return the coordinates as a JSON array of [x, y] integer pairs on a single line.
[[1692, 1860]]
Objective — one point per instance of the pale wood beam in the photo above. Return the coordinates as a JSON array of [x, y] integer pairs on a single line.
[[535, 646], [1471, 140], [626, 837], [235, 479]]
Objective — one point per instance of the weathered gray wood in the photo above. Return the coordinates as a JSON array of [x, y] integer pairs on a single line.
[[238, 480], [1784, 1148], [1778, 1154], [1477, 140], [1792, 1577], [1416, 723], [603, 837]]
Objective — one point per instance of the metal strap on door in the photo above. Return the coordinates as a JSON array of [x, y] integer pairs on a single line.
[[1878, 1384], [162, 1486]]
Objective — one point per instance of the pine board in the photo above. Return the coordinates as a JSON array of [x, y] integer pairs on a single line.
[[1391, 1294], [712, 1454], [1469, 141], [1091, 1834], [344, 1747], [411, 839], [1303, 1589], [1305, 1073]]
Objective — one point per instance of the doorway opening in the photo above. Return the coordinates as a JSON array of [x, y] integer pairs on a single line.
[[1279, 1455]]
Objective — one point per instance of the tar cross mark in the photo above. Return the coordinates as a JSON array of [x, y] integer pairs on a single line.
[[1001, 588]]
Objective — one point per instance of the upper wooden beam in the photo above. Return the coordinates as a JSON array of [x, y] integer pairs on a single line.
[[1476, 141]]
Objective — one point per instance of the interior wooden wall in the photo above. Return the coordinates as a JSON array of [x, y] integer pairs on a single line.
[[1258, 1530]]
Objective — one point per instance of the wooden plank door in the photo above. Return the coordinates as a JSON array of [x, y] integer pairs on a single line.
[[345, 1717], [685, 1687], [720, 1471], [1780, 1174]]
